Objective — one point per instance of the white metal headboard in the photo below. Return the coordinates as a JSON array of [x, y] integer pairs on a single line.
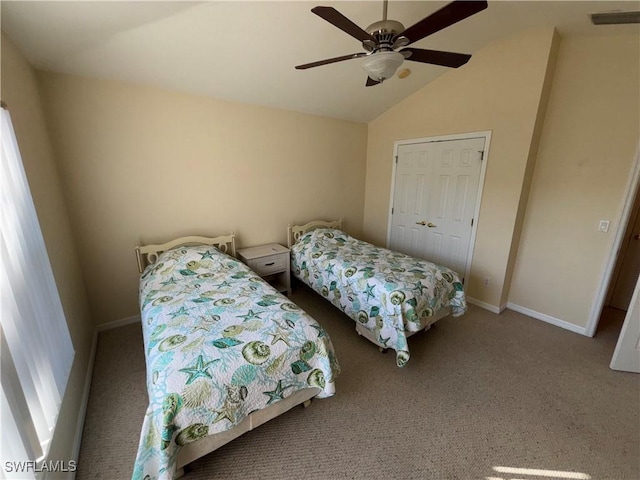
[[294, 232], [148, 254]]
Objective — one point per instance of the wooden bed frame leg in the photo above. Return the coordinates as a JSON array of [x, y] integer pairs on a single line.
[[383, 350], [179, 473], [306, 403]]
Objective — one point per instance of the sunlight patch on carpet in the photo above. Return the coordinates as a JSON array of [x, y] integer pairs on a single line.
[[537, 472]]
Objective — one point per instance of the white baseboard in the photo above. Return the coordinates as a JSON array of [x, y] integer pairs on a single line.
[[547, 318], [84, 402], [486, 306], [87, 382], [118, 323]]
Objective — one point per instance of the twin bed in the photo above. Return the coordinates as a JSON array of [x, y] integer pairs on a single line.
[[225, 352], [389, 295]]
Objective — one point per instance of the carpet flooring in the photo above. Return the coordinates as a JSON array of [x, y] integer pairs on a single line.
[[484, 396]]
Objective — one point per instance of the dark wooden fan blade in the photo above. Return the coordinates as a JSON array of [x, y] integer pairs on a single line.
[[334, 17], [436, 57], [330, 60], [371, 82], [447, 15]]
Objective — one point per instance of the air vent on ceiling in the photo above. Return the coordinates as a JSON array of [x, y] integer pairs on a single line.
[[614, 18]]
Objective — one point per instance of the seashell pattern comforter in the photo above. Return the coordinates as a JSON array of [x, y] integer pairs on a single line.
[[220, 343], [389, 293]]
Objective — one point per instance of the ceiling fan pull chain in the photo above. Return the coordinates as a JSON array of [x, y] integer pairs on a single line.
[[385, 4]]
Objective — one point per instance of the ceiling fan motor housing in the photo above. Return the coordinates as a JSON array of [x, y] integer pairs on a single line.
[[384, 32], [385, 26]]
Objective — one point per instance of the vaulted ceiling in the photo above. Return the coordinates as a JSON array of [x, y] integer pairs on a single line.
[[246, 51]]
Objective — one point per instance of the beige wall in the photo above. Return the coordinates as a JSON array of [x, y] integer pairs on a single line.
[[495, 91], [145, 165], [20, 93], [591, 131]]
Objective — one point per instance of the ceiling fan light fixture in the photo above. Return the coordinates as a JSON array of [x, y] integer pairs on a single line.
[[382, 65]]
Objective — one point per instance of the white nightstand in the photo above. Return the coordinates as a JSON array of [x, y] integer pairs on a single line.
[[271, 262]]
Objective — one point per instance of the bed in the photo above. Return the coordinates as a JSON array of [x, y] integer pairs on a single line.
[[389, 295], [224, 351]]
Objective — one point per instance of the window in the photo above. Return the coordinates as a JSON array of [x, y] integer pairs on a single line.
[[35, 345]]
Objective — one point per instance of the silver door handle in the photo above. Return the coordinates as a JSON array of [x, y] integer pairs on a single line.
[[421, 223], [431, 225]]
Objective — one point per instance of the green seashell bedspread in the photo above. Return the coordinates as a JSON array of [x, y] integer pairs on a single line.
[[389, 293], [220, 343]]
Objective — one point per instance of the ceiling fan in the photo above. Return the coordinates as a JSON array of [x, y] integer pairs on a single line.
[[384, 40]]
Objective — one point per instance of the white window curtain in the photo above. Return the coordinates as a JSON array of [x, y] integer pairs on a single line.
[[35, 345]]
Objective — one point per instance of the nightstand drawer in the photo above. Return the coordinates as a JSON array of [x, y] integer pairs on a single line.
[[270, 264]]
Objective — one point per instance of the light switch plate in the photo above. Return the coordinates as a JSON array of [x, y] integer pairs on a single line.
[[603, 226]]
